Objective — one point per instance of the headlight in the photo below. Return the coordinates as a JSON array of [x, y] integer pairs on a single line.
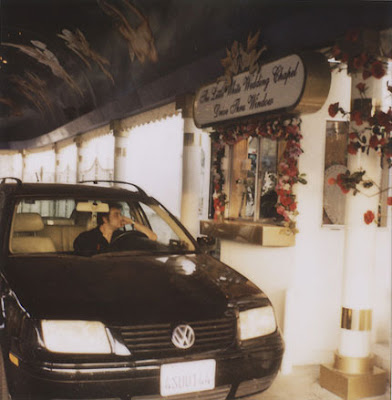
[[82, 337], [257, 322]]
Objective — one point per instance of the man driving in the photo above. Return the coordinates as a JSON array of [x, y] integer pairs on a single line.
[[99, 239]]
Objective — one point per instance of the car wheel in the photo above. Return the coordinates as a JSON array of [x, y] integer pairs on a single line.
[[4, 393]]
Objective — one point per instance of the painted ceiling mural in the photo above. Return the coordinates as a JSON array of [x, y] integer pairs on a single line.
[[62, 59]]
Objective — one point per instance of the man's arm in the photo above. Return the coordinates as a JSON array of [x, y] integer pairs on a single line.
[[141, 228]]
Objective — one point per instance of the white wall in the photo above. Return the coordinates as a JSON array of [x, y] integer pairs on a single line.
[[316, 291], [11, 164], [66, 164], [39, 166], [154, 160]]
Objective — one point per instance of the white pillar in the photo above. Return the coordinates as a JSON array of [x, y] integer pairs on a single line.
[[359, 254], [191, 178], [79, 157], [120, 151], [191, 170], [23, 169], [56, 161], [354, 366]]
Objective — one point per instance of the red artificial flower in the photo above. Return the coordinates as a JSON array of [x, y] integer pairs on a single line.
[[353, 135], [336, 51], [331, 181], [357, 63], [356, 117], [366, 74], [293, 171], [377, 69], [364, 57], [293, 206], [383, 118], [286, 201], [344, 190], [345, 57], [352, 35], [280, 210], [361, 87], [292, 129], [373, 142], [333, 109], [352, 149], [368, 217], [389, 201], [340, 182]]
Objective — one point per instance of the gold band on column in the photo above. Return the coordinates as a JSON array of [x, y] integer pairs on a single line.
[[354, 365], [356, 320]]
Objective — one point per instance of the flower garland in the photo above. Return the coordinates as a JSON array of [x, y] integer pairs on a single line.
[[376, 135], [356, 50], [288, 174], [374, 132]]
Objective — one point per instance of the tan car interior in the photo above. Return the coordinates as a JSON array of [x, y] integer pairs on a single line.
[[33, 234]]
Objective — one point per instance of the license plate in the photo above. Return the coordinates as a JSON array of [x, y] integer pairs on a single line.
[[187, 377]]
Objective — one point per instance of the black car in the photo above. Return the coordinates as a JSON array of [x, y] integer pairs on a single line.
[[144, 319]]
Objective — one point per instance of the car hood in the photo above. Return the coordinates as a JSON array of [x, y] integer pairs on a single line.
[[126, 289]]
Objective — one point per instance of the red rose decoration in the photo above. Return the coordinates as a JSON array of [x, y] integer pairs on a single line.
[[361, 87], [353, 135], [340, 182], [377, 69], [389, 201], [373, 142], [286, 201], [292, 206], [331, 181], [345, 57], [352, 35], [336, 51], [357, 63], [383, 118], [368, 217], [333, 109], [357, 117], [366, 74], [352, 149], [280, 210]]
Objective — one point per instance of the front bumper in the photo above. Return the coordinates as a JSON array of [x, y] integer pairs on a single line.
[[239, 372]]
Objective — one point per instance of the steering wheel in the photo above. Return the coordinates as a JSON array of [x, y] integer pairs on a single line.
[[132, 240]]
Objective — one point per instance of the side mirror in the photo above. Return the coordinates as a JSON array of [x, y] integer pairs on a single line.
[[206, 243]]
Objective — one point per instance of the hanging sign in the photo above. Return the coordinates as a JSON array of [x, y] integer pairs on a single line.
[[279, 85]]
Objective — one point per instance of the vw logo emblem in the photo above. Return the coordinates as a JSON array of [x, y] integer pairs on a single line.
[[183, 337]]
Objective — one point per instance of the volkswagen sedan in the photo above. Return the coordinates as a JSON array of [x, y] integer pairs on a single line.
[[144, 319]]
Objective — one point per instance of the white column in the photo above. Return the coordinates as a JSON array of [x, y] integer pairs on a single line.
[[354, 364], [120, 151], [23, 169], [191, 167], [56, 161], [191, 178], [79, 157], [359, 254]]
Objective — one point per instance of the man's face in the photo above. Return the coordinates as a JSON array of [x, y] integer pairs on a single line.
[[115, 220]]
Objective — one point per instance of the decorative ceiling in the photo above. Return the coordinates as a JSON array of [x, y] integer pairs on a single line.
[[61, 60]]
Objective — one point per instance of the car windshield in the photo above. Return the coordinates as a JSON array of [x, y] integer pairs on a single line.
[[91, 227]]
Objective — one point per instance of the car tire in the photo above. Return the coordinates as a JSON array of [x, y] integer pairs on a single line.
[[4, 393]]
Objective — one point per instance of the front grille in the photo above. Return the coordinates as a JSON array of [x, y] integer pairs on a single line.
[[154, 341], [219, 393]]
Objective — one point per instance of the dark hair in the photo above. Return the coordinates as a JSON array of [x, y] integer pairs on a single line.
[[100, 216]]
